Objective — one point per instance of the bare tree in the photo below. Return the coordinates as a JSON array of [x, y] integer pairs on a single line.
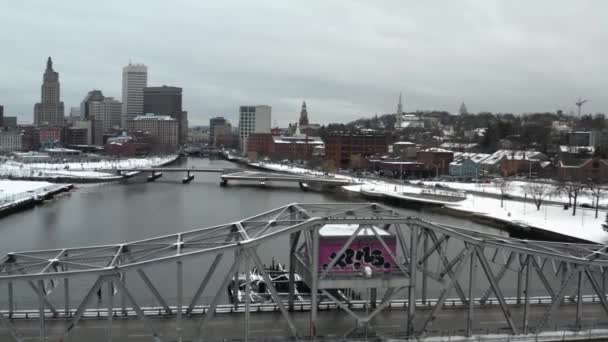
[[538, 192], [573, 190], [503, 187], [564, 189], [597, 192]]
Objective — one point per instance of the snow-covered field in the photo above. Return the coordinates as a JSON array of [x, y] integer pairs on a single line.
[[515, 189], [102, 170], [550, 217], [12, 191]]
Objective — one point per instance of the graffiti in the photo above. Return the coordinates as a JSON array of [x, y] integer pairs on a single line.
[[358, 258]]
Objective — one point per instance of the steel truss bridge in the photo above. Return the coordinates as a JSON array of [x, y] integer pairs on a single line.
[[475, 270]]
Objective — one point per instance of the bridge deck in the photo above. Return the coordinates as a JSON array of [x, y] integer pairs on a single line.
[[173, 169], [268, 176], [268, 324]]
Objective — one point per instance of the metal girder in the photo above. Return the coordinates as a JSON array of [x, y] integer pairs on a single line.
[[154, 291], [445, 291], [11, 328], [485, 265], [95, 259], [448, 267], [501, 273], [556, 300], [273, 291]]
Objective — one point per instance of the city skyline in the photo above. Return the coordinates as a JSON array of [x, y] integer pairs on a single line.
[[496, 59]]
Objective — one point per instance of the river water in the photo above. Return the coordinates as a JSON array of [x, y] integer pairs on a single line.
[[134, 210]]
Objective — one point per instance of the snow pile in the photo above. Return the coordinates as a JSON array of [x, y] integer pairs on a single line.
[[102, 170]]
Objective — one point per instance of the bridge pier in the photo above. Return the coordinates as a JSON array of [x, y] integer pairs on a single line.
[[154, 176], [188, 178]]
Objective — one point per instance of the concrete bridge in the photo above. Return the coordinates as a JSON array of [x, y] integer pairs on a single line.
[[482, 284], [239, 175]]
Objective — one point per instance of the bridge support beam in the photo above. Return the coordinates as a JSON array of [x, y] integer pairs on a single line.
[[154, 291], [110, 307], [526, 318], [314, 289], [411, 292], [293, 243], [472, 268], [180, 298], [485, 265], [11, 303], [41, 318]]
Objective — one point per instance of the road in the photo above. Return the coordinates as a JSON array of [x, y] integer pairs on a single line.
[[332, 324]]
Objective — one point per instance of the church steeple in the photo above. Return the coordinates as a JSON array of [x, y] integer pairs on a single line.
[[303, 115], [399, 114], [49, 64]]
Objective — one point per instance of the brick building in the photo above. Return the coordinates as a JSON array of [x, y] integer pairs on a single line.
[[340, 147], [282, 147], [437, 160], [594, 169]]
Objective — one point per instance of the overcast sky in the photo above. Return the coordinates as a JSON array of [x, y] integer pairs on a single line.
[[346, 58]]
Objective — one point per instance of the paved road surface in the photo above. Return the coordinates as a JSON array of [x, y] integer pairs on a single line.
[[331, 323]]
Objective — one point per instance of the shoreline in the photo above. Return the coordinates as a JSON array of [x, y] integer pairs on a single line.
[[515, 228], [85, 179], [61, 185], [37, 197]]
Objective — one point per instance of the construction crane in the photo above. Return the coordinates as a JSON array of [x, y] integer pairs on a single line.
[[580, 104]]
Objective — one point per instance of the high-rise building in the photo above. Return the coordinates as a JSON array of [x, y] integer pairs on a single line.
[[49, 111], [107, 112], [134, 80], [253, 119], [1, 116], [167, 100], [92, 96], [303, 115], [214, 122], [161, 127], [75, 112]]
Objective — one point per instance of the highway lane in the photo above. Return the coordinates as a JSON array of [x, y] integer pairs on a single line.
[[331, 323]]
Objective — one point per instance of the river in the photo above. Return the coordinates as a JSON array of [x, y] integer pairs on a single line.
[[114, 213]]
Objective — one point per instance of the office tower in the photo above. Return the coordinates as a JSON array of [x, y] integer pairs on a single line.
[[214, 122], [134, 80], [49, 111], [253, 119], [107, 112], [92, 96], [167, 100]]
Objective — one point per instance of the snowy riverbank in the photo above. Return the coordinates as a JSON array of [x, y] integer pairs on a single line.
[[104, 170], [550, 217], [17, 195]]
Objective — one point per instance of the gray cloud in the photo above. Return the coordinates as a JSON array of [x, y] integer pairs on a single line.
[[346, 58]]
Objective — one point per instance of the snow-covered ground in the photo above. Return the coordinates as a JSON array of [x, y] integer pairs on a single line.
[[515, 189], [550, 217], [102, 170], [13, 191]]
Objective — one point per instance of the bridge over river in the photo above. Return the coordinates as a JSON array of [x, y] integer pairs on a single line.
[[238, 175], [482, 284]]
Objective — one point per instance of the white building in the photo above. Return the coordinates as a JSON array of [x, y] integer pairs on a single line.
[[10, 141], [108, 112], [253, 119], [134, 80]]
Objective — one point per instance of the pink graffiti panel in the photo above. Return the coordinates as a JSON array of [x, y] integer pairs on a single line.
[[361, 253]]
